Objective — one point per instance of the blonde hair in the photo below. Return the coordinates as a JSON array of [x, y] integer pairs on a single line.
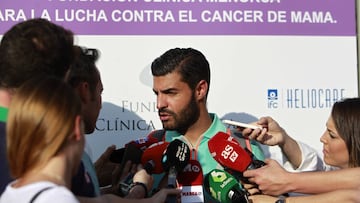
[[41, 117]]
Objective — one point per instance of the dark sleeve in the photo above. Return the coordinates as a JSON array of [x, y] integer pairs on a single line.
[[5, 177], [81, 184]]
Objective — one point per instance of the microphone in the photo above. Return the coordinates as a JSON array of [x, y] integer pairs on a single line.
[[229, 153], [145, 142], [134, 151], [152, 157], [174, 160], [224, 187], [190, 181], [141, 144]]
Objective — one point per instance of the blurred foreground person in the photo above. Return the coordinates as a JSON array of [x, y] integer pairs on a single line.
[[28, 49], [45, 141]]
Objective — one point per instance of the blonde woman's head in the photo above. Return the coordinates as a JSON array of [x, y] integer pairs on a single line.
[[41, 119]]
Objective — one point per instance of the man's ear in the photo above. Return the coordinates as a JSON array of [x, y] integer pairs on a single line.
[[79, 128], [83, 92], [201, 89]]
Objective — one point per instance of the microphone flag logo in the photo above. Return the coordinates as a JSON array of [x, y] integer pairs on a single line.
[[190, 181]]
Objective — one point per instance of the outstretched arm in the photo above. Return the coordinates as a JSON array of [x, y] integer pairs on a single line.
[[273, 134], [343, 196], [272, 179]]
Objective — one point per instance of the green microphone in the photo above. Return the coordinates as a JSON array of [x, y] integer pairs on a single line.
[[224, 187]]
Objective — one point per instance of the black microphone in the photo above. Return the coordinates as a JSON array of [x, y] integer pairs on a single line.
[[224, 187], [174, 160]]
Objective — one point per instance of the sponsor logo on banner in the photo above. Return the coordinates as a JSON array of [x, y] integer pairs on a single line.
[[126, 117], [303, 98]]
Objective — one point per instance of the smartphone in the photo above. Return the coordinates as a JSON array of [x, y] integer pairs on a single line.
[[241, 125]]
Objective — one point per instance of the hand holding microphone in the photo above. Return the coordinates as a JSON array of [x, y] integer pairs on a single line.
[[134, 151], [151, 161]]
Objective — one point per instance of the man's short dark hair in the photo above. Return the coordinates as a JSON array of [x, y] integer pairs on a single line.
[[32, 48], [190, 63], [83, 68]]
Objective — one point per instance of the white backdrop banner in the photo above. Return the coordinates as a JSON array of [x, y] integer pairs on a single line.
[[288, 59]]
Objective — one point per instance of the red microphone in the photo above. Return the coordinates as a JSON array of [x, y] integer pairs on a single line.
[[151, 157], [133, 149], [145, 142], [229, 153], [190, 181]]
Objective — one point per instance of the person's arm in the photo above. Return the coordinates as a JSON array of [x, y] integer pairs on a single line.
[[325, 181], [273, 134], [291, 150], [104, 167], [343, 196], [272, 179], [142, 184]]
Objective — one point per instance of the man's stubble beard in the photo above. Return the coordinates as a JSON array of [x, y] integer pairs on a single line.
[[185, 118]]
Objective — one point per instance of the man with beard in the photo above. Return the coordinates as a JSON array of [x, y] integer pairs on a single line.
[[181, 81]]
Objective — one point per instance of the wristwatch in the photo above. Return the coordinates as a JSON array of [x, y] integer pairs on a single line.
[[282, 199]]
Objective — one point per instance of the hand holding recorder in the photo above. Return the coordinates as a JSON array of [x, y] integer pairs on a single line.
[[266, 131], [241, 125]]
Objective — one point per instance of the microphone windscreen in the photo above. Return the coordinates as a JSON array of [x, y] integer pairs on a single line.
[[144, 142], [190, 181], [177, 155], [191, 175], [153, 155], [228, 152], [224, 187]]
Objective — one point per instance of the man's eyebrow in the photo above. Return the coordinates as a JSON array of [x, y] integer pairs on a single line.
[[166, 90]]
